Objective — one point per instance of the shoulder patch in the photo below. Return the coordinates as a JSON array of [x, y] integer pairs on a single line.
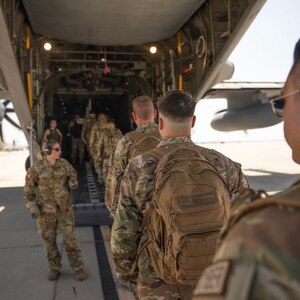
[[28, 176], [213, 279]]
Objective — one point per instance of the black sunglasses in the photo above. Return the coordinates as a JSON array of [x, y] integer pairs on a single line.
[[278, 103], [56, 149]]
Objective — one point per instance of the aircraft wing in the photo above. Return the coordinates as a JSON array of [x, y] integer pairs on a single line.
[[248, 105]]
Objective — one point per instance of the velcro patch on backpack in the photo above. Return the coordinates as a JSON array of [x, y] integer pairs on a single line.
[[213, 279]]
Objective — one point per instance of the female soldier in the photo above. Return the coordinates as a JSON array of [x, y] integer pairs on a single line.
[[52, 177], [52, 133]]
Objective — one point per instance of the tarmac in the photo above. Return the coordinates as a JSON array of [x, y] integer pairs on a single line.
[[23, 265]]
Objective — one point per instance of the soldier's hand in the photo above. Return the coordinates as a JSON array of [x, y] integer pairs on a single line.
[[35, 211]]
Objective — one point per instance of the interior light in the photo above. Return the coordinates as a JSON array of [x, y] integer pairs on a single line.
[[153, 49], [47, 46]]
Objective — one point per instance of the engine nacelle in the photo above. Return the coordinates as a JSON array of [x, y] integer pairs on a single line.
[[250, 117]]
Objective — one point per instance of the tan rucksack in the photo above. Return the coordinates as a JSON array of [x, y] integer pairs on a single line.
[[143, 142], [182, 222]]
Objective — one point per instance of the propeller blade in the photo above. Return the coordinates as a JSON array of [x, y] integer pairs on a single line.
[[6, 102], [1, 134], [7, 118], [9, 110]]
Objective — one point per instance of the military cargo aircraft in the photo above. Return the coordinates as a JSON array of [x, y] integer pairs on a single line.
[[58, 56]]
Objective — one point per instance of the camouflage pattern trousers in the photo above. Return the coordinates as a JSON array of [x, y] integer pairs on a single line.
[[49, 225], [157, 289], [105, 164], [78, 146]]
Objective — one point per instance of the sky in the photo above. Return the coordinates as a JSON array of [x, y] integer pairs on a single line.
[[263, 54]]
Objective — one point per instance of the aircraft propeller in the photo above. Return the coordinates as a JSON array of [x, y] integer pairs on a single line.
[[4, 111]]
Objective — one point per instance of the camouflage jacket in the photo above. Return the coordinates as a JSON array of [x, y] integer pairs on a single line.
[[136, 192], [96, 130], [259, 252], [107, 141], [86, 130], [117, 164], [47, 186]]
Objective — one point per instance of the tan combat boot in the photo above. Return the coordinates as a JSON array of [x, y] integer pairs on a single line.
[[53, 274], [80, 275]]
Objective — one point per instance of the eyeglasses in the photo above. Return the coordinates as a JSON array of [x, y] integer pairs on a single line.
[[278, 103], [56, 149]]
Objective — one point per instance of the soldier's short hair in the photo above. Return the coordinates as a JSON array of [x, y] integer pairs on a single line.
[[177, 105], [102, 115], [143, 107], [295, 70], [297, 52]]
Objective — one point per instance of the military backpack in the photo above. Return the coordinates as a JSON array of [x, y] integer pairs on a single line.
[[143, 142], [182, 222]]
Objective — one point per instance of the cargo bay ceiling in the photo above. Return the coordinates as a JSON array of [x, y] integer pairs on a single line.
[[100, 44], [109, 22], [102, 47]]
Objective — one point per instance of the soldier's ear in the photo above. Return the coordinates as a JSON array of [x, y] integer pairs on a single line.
[[134, 116], [160, 123], [193, 121]]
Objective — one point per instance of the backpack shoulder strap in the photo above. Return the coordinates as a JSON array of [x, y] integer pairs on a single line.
[[165, 152], [133, 135], [169, 149]]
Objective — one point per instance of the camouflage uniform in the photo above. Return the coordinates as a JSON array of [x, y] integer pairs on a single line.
[[259, 254], [117, 164], [96, 130], [104, 147], [135, 194], [77, 144], [56, 214], [86, 131], [53, 135]]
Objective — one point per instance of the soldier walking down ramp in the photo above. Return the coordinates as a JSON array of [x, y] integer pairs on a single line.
[[107, 142], [146, 206], [259, 252], [145, 137], [96, 130], [47, 196], [87, 128], [77, 143]]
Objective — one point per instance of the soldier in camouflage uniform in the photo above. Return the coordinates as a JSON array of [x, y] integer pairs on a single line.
[[52, 133], [96, 130], [143, 115], [46, 194], [87, 128], [107, 142], [77, 143], [259, 252], [176, 119]]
